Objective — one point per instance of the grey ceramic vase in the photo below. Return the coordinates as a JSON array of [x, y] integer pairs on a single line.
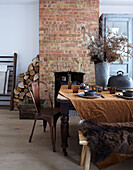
[[102, 70]]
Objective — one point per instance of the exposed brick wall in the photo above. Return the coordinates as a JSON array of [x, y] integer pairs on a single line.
[[60, 39]]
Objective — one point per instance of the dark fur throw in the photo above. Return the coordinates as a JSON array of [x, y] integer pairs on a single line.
[[107, 138]]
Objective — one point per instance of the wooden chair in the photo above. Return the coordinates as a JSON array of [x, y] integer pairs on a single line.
[[47, 114], [86, 153]]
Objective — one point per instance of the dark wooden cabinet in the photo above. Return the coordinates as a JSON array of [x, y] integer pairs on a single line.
[[61, 78]]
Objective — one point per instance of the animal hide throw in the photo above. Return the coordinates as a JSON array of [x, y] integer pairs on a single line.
[[107, 138]]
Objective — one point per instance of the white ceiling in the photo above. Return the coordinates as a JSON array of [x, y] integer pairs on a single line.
[[102, 2], [18, 1], [116, 2]]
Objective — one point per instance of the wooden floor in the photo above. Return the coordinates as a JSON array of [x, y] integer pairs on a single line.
[[17, 154]]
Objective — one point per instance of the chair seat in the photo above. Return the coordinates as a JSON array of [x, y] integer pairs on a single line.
[[49, 112]]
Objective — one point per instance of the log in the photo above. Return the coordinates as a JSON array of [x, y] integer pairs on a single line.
[[28, 94], [26, 77], [37, 64], [26, 86], [34, 64], [32, 72], [21, 85], [16, 100], [31, 77], [16, 92], [22, 74], [16, 96], [36, 59], [19, 89], [26, 90], [20, 78], [36, 68], [22, 93], [30, 67], [26, 73], [28, 81], [21, 97], [18, 103]]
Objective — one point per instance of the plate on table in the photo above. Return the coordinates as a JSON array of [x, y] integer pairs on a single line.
[[89, 97], [124, 97]]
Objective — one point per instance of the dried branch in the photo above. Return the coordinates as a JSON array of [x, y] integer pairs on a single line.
[[111, 48]]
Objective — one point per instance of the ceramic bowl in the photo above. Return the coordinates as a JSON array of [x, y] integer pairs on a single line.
[[89, 92], [127, 93]]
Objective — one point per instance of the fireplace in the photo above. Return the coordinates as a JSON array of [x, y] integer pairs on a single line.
[[61, 78]]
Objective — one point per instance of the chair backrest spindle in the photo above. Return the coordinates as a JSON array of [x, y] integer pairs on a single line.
[[34, 90]]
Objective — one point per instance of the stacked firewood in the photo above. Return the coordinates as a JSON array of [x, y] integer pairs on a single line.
[[21, 93]]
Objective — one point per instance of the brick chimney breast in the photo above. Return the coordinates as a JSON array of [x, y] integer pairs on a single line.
[[60, 39]]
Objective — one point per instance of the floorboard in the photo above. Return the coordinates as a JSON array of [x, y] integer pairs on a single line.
[[17, 154]]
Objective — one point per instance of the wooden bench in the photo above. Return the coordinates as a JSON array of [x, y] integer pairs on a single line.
[[86, 153]]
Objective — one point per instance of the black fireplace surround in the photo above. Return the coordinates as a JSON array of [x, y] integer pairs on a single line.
[[61, 78]]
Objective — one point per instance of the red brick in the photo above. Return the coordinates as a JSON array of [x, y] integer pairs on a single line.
[[61, 41]]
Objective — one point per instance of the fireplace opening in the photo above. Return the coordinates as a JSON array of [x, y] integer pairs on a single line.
[[61, 78]]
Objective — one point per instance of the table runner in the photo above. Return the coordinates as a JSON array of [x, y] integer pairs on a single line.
[[108, 109]]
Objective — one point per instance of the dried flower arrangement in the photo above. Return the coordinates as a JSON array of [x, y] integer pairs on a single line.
[[111, 48]]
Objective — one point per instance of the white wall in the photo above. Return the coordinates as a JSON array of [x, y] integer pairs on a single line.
[[19, 32], [112, 9], [19, 28]]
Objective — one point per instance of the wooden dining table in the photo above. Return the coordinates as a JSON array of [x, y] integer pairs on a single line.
[[108, 108]]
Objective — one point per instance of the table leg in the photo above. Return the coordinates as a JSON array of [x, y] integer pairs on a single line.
[[64, 126]]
